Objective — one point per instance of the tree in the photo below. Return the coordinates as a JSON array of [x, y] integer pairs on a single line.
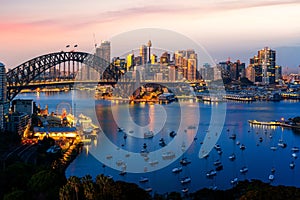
[[45, 183], [104, 185], [75, 184], [88, 187], [65, 192]]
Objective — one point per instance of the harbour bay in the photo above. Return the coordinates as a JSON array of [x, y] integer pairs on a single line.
[[258, 157]]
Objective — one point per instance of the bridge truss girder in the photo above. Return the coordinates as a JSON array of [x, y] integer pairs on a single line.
[[23, 74]]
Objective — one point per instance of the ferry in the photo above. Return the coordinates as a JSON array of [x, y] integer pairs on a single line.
[[271, 123], [239, 97]]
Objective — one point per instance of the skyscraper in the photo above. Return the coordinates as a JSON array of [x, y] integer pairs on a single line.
[[3, 97], [188, 62], [130, 61], [143, 54], [103, 51], [149, 46], [264, 66]]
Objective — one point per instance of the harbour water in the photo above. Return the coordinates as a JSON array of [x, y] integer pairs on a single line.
[[162, 119]]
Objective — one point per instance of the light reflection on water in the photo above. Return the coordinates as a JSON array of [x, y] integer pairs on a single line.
[[257, 156]]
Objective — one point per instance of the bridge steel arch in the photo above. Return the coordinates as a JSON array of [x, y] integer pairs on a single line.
[[20, 76]]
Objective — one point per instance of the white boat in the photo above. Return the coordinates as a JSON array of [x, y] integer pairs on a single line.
[[234, 181], [273, 148], [295, 149], [185, 180], [217, 162], [217, 147], [238, 143], [177, 169], [109, 176], [148, 189], [292, 165], [242, 147], [143, 180], [185, 190], [233, 136], [148, 134], [273, 170], [120, 162], [281, 144], [294, 155], [168, 155], [155, 162], [244, 170], [185, 161], [172, 134], [120, 129], [271, 177], [213, 187], [191, 127], [232, 157], [206, 155], [211, 173], [122, 173], [220, 152], [144, 152]]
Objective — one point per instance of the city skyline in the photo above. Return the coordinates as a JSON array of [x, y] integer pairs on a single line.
[[225, 28]]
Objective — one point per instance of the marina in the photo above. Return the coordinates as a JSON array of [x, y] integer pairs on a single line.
[[237, 132]]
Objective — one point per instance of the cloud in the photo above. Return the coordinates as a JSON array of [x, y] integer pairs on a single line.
[[177, 9]]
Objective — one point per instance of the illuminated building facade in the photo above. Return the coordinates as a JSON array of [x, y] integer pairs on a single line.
[[264, 66]]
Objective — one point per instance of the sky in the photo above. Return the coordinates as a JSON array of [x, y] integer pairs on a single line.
[[224, 28]]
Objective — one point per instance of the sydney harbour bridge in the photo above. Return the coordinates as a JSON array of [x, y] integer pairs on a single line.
[[66, 68]]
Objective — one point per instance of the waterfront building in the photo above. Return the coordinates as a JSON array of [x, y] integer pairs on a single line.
[[278, 73], [16, 122], [23, 106], [231, 70], [55, 132], [103, 51], [264, 66]]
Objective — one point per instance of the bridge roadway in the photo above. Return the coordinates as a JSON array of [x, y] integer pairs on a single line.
[[33, 85]]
